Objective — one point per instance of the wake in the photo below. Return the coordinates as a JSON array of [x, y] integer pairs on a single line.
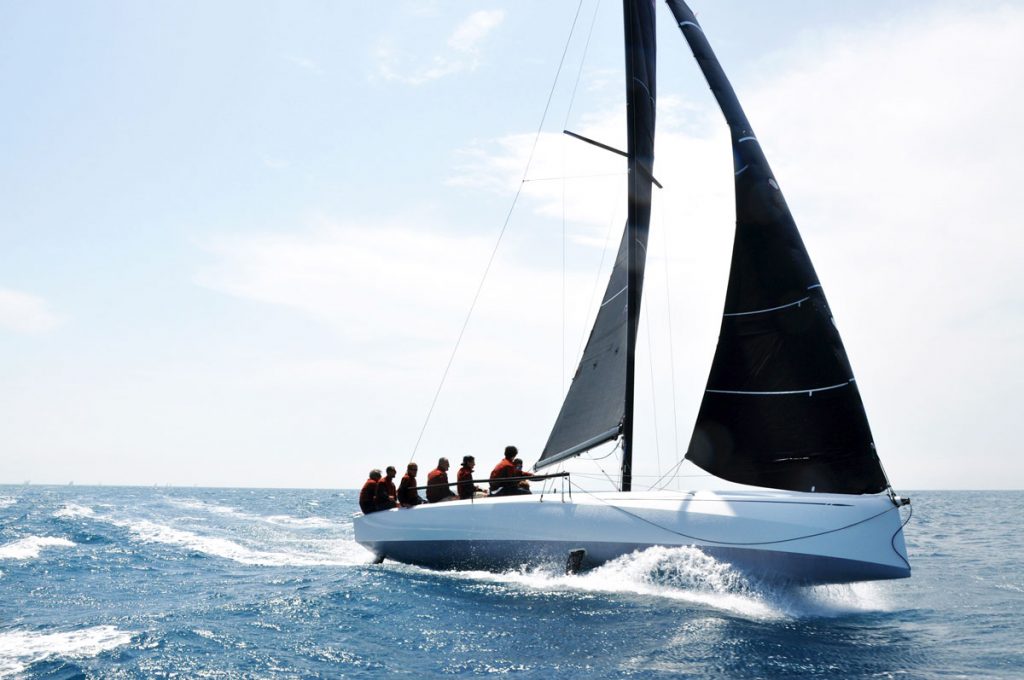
[[688, 575]]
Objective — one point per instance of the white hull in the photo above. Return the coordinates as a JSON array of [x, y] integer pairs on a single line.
[[802, 537]]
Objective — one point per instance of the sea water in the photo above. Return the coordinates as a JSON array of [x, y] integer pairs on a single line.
[[240, 583]]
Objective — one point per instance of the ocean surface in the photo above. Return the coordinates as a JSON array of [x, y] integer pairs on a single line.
[[106, 582]]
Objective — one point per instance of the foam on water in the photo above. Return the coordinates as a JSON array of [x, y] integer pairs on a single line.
[[324, 552], [687, 574], [19, 648], [280, 520], [29, 547], [73, 510], [301, 522], [7, 501], [192, 504]]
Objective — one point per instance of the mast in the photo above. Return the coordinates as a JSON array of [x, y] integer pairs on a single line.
[[638, 26]]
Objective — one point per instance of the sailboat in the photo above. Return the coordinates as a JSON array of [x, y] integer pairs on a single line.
[[781, 413]]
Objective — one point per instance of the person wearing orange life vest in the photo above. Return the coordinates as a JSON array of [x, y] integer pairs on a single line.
[[386, 492], [517, 465], [502, 471], [408, 497], [368, 494], [464, 483], [438, 488]]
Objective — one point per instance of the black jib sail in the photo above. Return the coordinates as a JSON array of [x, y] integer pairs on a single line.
[[598, 406], [781, 408]]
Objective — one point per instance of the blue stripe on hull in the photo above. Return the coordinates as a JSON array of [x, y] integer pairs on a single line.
[[501, 555]]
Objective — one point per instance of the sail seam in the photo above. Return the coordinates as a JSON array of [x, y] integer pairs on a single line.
[[808, 392], [621, 291], [770, 309]]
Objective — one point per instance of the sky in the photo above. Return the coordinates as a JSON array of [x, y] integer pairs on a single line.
[[239, 241]]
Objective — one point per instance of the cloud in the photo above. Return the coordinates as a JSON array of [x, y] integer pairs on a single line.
[[473, 29], [304, 63], [461, 53], [25, 313]]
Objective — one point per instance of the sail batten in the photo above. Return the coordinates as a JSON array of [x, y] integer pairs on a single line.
[[759, 423]]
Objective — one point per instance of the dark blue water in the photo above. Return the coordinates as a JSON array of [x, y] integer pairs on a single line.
[[141, 583]]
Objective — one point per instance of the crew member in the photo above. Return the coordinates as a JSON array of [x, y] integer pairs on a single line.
[[464, 485], [522, 486], [438, 488], [368, 494], [386, 492], [503, 470], [407, 495]]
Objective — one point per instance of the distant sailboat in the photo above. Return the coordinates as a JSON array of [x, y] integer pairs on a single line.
[[781, 410]]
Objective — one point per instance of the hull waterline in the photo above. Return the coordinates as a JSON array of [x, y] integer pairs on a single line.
[[798, 537]]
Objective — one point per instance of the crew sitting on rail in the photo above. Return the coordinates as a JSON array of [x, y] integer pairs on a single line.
[[464, 485], [438, 488], [519, 472], [387, 483], [408, 497], [502, 471], [386, 492], [368, 494]]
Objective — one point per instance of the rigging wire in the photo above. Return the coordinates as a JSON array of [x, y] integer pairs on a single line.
[[565, 126], [668, 474], [654, 395], [892, 541], [671, 340], [501, 233], [564, 177], [597, 277]]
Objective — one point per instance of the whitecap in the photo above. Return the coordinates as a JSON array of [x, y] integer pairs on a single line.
[[30, 547], [328, 552], [73, 510], [213, 508], [19, 649], [304, 522], [7, 501], [226, 510]]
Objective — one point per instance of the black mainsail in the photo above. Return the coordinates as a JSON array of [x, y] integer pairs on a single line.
[[781, 409], [599, 404]]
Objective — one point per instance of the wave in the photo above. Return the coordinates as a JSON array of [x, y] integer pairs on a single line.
[[29, 547], [20, 649], [305, 522], [686, 574], [73, 510], [7, 501], [281, 520], [211, 508], [326, 552]]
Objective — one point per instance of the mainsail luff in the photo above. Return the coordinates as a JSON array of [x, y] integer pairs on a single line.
[[781, 408], [598, 405]]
